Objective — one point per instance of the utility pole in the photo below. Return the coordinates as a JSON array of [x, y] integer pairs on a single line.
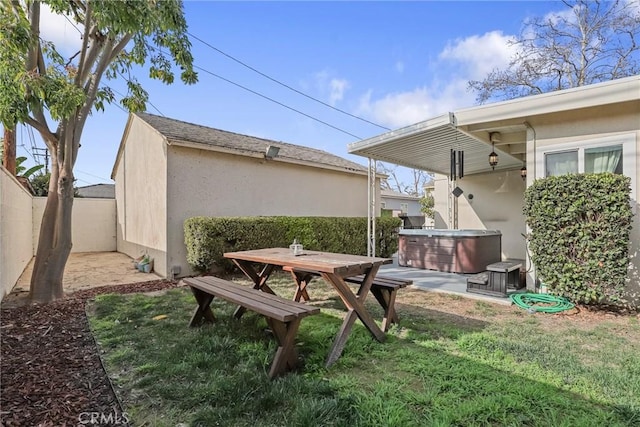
[[36, 153], [9, 159]]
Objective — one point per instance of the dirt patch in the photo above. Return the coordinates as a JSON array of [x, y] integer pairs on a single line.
[[85, 271]]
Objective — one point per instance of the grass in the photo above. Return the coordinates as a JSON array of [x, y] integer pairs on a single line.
[[490, 366]]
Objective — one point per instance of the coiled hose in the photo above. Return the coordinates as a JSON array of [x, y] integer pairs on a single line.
[[552, 303]]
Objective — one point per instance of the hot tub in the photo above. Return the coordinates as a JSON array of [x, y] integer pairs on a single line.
[[454, 251]]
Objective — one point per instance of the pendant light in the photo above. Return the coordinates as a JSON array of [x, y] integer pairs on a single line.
[[493, 157]]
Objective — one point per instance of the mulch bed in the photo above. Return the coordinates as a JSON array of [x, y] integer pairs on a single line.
[[50, 369]]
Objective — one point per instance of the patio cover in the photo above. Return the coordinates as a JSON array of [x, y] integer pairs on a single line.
[[427, 146]]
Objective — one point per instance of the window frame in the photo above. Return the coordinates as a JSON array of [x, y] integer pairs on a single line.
[[629, 154]]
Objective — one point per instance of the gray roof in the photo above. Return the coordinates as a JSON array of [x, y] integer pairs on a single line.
[[179, 131], [98, 191], [397, 195]]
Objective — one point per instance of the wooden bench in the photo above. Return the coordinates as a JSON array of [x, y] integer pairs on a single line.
[[383, 288], [283, 316]]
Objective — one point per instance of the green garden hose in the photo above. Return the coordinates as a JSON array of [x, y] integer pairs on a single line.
[[552, 303]]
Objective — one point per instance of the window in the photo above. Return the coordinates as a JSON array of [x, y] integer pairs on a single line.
[[561, 163], [404, 207], [616, 154], [603, 159], [383, 205]]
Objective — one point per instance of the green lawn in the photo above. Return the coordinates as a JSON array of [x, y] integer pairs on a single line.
[[486, 365]]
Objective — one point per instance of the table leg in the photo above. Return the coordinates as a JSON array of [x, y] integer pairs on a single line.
[[259, 280], [302, 281], [387, 299], [355, 307]]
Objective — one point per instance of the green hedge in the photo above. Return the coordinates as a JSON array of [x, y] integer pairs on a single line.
[[580, 230], [208, 238]]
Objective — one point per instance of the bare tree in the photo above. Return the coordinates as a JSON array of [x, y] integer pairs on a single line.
[[418, 179], [40, 87], [592, 41]]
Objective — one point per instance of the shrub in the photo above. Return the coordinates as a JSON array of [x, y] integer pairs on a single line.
[[208, 238], [580, 230]]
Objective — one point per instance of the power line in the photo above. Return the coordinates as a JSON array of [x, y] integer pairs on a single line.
[[277, 102], [284, 84], [95, 176], [261, 95]]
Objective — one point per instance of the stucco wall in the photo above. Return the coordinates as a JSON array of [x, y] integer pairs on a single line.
[[141, 194], [393, 203], [93, 224], [16, 240], [216, 184], [441, 201], [491, 201]]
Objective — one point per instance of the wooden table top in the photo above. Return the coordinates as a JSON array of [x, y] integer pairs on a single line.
[[324, 262]]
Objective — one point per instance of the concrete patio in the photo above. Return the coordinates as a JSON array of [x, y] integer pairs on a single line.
[[436, 281]]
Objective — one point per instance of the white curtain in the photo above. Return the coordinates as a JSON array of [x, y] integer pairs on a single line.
[[561, 163], [604, 159]]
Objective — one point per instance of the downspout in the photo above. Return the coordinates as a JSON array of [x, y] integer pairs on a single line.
[[532, 277]]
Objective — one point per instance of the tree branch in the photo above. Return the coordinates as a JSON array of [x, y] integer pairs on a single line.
[[83, 50], [86, 63], [120, 46], [91, 89], [49, 138], [34, 19]]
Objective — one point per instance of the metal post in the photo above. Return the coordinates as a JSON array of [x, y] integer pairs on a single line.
[[371, 209]]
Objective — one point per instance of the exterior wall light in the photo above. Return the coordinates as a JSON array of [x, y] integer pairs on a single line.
[[271, 152], [493, 157], [523, 173]]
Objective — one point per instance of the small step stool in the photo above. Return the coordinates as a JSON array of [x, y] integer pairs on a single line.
[[507, 273], [481, 283], [495, 281]]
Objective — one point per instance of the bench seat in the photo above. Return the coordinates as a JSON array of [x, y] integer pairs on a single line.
[[383, 288], [282, 315]]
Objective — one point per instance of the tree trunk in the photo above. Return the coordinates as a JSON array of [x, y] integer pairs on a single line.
[[9, 159], [54, 241]]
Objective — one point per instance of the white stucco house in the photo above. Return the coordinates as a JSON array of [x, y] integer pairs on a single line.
[[536, 136], [168, 170], [404, 206], [400, 203]]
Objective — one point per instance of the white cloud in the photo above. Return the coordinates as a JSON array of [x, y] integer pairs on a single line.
[[471, 58], [58, 30], [332, 88], [337, 89], [476, 56], [399, 109]]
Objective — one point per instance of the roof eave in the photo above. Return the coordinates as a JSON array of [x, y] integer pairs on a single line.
[[260, 156]]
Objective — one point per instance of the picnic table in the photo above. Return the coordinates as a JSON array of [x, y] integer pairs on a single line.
[[334, 269]]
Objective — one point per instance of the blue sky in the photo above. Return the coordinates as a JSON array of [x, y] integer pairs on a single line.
[[391, 63]]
